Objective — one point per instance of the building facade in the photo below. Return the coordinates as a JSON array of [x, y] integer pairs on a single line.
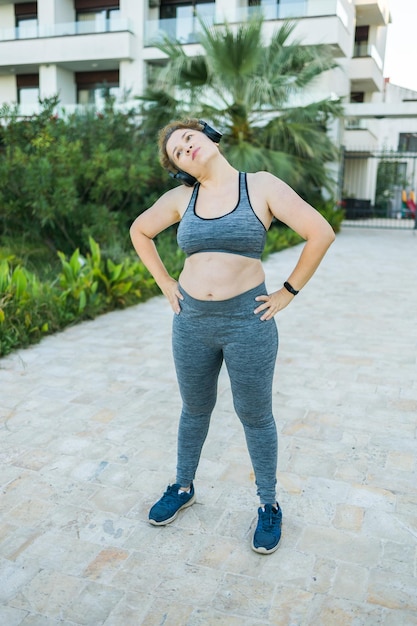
[[85, 49]]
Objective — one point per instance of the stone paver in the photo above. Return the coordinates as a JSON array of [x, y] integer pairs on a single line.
[[88, 422]]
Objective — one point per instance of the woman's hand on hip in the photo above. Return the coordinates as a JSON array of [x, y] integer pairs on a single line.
[[273, 303], [172, 293]]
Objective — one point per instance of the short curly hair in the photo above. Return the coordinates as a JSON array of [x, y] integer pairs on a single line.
[[166, 132]]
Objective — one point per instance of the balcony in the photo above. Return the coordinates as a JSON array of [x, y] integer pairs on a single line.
[[372, 12], [324, 22], [288, 9], [65, 29], [362, 50], [97, 45], [365, 69], [359, 134], [380, 110]]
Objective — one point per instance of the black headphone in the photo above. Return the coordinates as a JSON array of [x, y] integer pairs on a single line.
[[212, 134]]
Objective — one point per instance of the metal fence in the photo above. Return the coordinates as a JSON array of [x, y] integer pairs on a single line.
[[378, 189]]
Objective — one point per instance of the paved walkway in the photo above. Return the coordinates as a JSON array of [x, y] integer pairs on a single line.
[[88, 423]]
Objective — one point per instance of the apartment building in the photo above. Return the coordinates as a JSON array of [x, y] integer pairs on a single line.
[[84, 49]]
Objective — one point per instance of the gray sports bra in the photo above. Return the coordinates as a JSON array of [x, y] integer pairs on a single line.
[[238, 232]]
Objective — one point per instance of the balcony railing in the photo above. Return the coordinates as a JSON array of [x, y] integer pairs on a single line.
[[68, 28], [64, 110], [288, 9], [362, 50], [356, 123], [186, 29]]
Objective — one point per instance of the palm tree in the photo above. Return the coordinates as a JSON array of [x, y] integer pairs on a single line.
[[246, 86]]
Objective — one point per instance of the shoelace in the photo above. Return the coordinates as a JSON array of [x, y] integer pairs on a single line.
[[269, 518], [171, 493]]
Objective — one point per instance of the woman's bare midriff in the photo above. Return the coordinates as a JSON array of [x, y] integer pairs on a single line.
[[220, 275]]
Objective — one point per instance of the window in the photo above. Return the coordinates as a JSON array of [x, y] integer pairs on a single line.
[[27, 88], [95, 87], [96, 15], [181, 17], [97, 21], [269, 7], [93, 5], [357, 96], [28, 95], [26, 10], [280, 9], [178, 8], [27, 28], [407, 142], [361, 41], [26, 19]]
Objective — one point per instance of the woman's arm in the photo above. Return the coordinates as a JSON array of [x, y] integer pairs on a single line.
[[160, 216], [287, 206]]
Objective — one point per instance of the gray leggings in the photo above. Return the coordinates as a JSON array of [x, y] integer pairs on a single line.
[[205, 333]]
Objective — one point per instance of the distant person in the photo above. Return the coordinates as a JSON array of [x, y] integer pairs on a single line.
[[223, 311]]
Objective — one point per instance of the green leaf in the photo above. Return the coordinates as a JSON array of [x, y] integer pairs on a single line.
[[19, 282], [82, 301]]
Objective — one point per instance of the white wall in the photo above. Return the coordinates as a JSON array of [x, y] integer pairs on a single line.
[[47, 81], [137, 11], [132, 70], [55, 11], [391, 127], [226, 9], [56, 80], [8, 90], [131, 77], [66, 87], [7, 19]]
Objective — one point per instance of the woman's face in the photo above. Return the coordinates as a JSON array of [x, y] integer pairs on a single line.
[[189, 149]]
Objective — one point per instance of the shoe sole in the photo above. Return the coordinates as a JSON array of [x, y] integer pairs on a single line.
[[262, 550], [171, 519]]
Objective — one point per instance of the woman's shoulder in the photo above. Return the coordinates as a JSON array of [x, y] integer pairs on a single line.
[[264, 179], [173, 202], [176, 196]]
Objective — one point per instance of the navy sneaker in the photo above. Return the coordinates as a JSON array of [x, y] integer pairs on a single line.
[[268, 530], [167, 508]]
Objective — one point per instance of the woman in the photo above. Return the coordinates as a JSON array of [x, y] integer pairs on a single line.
[[223, 310]]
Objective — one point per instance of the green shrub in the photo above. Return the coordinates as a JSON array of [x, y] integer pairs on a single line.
[[278, 238], [91, 285], [85, 287], [29, 309], [64, 178]]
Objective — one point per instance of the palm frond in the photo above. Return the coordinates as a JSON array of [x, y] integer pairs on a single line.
[[303, 138], [320, 60], [320, 110], [181, 70], [233, 52], [157, 108], [249, 158], [246, 157]]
